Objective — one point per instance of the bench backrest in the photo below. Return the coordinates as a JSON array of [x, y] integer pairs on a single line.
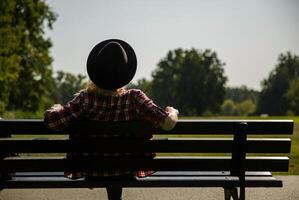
[[193, 145]]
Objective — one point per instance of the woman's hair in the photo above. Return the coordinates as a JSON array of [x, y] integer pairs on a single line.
[[92, 88]]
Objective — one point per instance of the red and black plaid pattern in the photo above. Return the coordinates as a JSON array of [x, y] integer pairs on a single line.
[[129, 105]]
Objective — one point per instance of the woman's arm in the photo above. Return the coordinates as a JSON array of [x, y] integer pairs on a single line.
[[59, 117], [164, 118]]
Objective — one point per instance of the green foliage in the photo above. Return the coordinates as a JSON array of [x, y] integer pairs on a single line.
[[293, 96], [144, 85], [20, 114], [231, 108], [190, 80], [239, 94], [2, 108], [66, 85], [246, 107], [274, 98], [228, 108], [25, 72], [240, 101]]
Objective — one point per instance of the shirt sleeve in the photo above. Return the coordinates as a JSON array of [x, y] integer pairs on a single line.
[[148, 110], [61, 117]]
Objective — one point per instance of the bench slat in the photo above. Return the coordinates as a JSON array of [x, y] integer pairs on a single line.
[[183, 127], [159, 163], [257, 127], [167, 181], [170, 145], [249, 181], [157, 173], [207, 173]]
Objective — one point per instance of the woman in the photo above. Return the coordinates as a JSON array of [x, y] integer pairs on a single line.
[[110, 66]]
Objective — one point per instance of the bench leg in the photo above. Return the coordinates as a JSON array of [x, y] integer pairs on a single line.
[[231, 192], [242, 193]]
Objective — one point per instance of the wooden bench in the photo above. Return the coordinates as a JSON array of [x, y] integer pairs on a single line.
[[198, 153]]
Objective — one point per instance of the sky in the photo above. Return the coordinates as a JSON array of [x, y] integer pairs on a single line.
[[247, 36]]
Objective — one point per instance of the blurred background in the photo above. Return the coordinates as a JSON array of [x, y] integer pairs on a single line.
[[206, 58]]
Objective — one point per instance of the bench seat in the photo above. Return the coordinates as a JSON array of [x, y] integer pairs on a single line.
[[158, 179]]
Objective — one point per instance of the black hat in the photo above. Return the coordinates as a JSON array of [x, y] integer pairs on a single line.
[[111, 64]]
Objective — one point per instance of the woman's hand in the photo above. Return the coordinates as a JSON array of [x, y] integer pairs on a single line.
[[171, 119], [170, 109], [56, 106]]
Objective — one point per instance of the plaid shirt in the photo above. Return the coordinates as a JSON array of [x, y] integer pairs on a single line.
[[129, 105]]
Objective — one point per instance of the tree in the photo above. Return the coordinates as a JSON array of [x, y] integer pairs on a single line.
[[191, 80], [246, 107], [66, 86], [144, 85], [273, 98], [231, 108], [26, 74], [239, 94], [293, 96], [228, 108]]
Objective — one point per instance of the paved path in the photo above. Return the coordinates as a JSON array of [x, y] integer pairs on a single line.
[[290, 191]]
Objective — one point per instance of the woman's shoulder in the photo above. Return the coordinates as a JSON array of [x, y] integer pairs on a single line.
[[134, 92], [81, 93], [138, 95], [121, 92]]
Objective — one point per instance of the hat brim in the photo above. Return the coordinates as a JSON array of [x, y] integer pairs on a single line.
[[108, 79]]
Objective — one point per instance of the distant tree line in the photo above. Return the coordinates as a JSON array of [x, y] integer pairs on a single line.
[[199, 94], [191, 80], [239, 101]]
